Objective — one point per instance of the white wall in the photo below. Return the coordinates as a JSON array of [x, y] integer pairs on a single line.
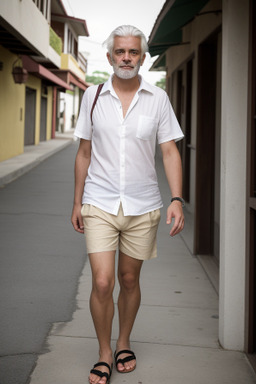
[[233, 173], [26, 18]]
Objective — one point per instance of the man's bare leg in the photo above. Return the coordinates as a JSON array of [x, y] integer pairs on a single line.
[[128, 304], [102, 306]]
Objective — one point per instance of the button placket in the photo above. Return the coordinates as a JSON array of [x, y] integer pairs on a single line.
[[122, 160]]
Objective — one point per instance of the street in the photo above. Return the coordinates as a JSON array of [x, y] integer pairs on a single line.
[[41, 261]]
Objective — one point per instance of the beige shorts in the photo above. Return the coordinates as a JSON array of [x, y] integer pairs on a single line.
[[134, 235]]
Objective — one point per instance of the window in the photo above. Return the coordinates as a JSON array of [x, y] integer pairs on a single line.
[[43, 6]]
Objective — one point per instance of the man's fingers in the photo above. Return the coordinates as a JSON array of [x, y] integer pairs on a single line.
[[177, 227], [175, 213], [77, 222], [78, 226]]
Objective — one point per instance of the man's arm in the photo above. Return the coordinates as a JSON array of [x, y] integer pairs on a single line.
[[82, 163], [173, 171]]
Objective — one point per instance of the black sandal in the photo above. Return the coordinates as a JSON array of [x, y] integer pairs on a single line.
[[124, 360], [102, 374]]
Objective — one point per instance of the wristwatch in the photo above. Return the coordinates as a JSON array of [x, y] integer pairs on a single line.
[[179, 199]]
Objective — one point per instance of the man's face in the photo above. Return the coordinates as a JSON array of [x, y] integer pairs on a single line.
[[126, 57]]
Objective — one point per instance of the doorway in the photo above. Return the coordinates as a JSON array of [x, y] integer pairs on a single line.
[[43, 118], [251, 198], [207, 194], [30, 116]]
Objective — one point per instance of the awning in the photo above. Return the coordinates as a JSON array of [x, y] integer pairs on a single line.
[[70, 78], [160, 63], [38, 70], [79, 25], [167, 30]]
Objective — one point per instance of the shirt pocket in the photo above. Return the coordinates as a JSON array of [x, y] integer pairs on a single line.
[[146, 128]]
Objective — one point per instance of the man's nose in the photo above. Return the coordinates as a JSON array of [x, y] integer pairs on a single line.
[[126, 56]]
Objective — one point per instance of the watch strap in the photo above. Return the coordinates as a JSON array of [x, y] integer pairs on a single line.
[[179, 199]]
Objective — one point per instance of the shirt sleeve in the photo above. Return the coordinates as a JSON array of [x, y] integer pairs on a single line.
[[83, 128], [169, 128]]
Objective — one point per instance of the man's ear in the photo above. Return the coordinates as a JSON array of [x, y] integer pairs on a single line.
[[109, 58], [143, 59]]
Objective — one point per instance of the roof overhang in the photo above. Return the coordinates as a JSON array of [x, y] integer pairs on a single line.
[[78, 25], [167, 30], [12, 40], [39, 71], [57, 6], [71, 79]]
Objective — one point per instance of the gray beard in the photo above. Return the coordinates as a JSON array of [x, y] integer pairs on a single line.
[[126, 73]]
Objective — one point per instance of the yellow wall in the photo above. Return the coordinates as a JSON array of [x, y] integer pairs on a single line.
[[69, 62], [12, 109]]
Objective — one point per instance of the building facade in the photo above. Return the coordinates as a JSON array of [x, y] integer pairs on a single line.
[[39, 63], [208, 51]]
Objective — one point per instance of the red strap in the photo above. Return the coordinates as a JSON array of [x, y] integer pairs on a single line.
[[96, 98]]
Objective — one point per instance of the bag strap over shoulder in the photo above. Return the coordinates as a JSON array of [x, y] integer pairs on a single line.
[[96, 98]]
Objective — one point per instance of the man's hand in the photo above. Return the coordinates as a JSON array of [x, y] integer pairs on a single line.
[[76, 218], [174, 211]]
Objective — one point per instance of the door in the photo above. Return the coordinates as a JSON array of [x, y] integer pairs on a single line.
[[183, 113], [207, 149], [251, 197], [30, 116], [43, 117]]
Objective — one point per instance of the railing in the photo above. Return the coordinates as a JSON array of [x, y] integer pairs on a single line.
[[44, 7], [82, 62]]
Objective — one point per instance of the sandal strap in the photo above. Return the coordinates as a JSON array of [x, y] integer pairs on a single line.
[[99, 373], [125, 359], [102, 363]]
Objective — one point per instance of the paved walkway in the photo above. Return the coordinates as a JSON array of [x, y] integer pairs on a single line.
[[175, 336], [33, 155]]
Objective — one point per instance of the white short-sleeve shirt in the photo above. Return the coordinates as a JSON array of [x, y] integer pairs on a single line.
[[122, 167]]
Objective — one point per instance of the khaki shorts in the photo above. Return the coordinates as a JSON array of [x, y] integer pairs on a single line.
[[134, 235]]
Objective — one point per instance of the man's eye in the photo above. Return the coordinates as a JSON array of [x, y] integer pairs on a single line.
[[134, 53], [119, 52]]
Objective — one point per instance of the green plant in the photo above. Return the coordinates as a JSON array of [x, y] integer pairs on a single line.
[[97, 77], [161, 83], [55, 41]]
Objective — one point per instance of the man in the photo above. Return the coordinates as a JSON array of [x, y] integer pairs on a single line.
[[117, 200]]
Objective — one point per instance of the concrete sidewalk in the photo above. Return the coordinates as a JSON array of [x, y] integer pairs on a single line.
[[33, 155], [175, 336]]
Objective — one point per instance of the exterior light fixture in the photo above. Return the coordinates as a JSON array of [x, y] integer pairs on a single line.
[[20, 74]]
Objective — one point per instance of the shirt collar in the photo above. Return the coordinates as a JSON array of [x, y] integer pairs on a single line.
[[144, 86]]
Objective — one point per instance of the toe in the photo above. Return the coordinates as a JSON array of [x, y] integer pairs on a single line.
[[120, 367], [130, 365]]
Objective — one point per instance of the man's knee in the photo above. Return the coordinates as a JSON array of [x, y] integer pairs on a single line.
[[128, 280], [103, 286]]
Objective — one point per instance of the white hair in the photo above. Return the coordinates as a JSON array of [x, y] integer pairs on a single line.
[[124, 31]]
